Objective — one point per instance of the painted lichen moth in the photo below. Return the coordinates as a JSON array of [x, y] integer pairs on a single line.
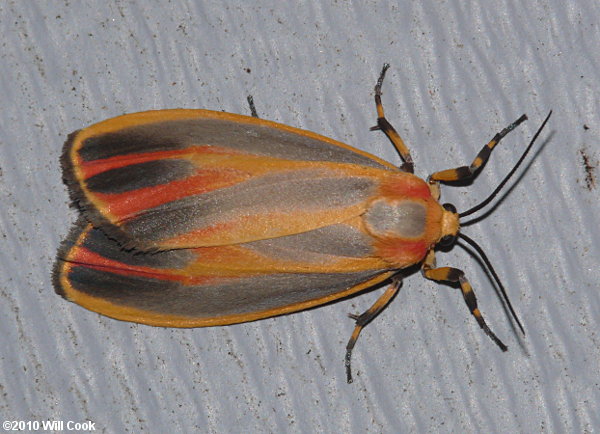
[[195, 218]]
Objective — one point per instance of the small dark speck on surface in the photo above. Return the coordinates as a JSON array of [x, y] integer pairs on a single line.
[[590, 169]]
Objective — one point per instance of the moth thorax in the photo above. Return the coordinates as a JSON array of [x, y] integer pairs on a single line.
[[396, 218]]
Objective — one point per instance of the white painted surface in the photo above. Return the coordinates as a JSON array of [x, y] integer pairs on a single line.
[[459, 74]]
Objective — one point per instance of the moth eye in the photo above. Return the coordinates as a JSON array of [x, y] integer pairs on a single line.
[[448, 240], [449, 207]]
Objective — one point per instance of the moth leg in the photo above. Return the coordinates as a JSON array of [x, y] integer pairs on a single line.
[[365, 318], [384, 125], [253, 112], [465, 172], [449, 274]]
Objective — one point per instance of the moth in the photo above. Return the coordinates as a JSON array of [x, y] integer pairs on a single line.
[[194, 218]]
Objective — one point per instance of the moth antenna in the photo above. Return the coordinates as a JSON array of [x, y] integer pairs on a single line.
[[488, 264]]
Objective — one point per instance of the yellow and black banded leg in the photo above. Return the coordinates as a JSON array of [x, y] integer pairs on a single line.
[[449, 274], [465, 172], [252, 106], [365, 318], [384, 125]]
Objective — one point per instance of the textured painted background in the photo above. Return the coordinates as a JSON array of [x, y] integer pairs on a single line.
[[459, 74]]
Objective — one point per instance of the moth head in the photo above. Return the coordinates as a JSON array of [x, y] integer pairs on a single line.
[[450, 225]]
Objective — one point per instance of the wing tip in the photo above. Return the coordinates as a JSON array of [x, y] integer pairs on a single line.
[[86, 207], [70, 242]]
